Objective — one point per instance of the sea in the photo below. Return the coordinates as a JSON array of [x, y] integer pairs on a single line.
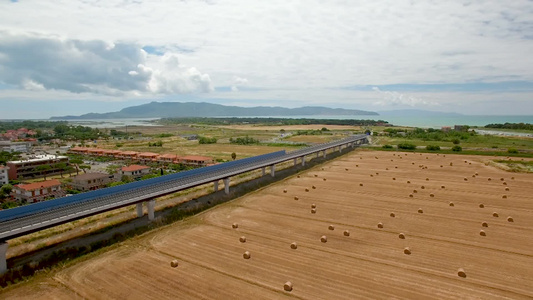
[[411, 121]]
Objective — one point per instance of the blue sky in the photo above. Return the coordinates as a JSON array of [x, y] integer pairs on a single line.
[[472, 57]]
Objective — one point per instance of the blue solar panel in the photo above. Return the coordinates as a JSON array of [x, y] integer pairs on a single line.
[[22, 211]]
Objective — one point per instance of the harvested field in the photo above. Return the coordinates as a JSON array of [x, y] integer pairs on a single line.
[[443, 253]]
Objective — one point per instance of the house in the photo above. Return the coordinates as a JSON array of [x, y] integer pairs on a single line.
[[16, 146], [135, 171], [196, 160], [38, 191], [168, 158], [128, 155], [446, 129], [30, 167], [145, 157], [4, 179], [91, 181]]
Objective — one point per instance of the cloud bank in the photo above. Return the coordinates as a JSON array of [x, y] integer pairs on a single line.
[[39, 62]]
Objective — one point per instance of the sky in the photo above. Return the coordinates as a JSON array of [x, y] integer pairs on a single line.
[[70, 57]]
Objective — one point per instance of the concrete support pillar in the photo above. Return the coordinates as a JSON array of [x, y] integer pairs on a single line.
[[317, 154], [324, 155], [340, 148], [140, 209], [273, 170], [263, 170], [151, 207], [215, 184], [3, 261], [226, 185], [303, 161], [295, 161]]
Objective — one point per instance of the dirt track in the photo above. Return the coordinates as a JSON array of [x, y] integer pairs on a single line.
[[369, 263]]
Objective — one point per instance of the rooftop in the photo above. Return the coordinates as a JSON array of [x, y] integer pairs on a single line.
[[196, 157], [38, 185], [134, 168], [89, 176], [36, 158]]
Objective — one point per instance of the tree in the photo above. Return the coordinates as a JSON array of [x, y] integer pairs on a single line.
[[85, 168], [43, 169], [112, 169], [5, 190], [77, 162], [61, 167], [233, 155]]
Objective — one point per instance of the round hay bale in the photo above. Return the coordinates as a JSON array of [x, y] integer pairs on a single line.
[[484, 224], [376, 157], [473, 176], [441, 166], [331, 227], [444, 155], [285, 191], [298, 176], [465, 179], [295, 197], [410, 195], [422, 187], [502, 179], [427, 157], [242, 239], [412, 163], [482, 233], [346, 169], [380, 225], [504, 183], [313, 205], [377, 173], [392, 215], [323, 239], [401, 236], [322, 169], [432, 195], [371, 175], [287, 286], [512, 178], [442, 187], [466, 161], [235, 225], [386, 169], [427, 179], [451, 164], [476, 174], [420, 211], [407, 251], [395, 167], [489, 179], [346, 233], [316, 175], [174, 263], [324, 179], [307, 190], [504, 196], [314, 187], [294, 245], [313, 211], [495, 214], [451, 204], [510, 219], [481, 205], [393, 178], [360, 184], [415, 191], [356, 166], [507, 189], [246, 255], [408, 181], [469, 163], [461, 273]]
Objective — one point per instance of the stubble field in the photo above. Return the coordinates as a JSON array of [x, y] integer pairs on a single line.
[[441, 204]]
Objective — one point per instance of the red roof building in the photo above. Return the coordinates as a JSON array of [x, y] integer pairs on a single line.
[[136, 171], [38, 191]]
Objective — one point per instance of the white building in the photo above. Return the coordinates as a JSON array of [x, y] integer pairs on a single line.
[[15, 146], [3, 175]]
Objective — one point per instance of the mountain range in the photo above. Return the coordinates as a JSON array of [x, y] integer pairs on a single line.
[[202, 109]]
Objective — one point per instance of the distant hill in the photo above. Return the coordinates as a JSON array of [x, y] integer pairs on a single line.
[[202, 109], [416, 112]]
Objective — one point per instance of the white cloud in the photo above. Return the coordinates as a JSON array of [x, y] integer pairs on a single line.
[[392, 98], [50, 63]]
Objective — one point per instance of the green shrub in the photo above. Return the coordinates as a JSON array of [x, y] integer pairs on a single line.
[[456, 141], [512, 150], [457, 148], [387, 146], [432, 147], [406, 146]]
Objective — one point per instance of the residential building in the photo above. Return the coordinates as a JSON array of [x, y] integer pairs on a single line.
[[16, 146], [168, 158], [128, 155], [91, 181], [4, 179], [196, 160], [29, 168], [38, 191], [145, 157], [135, 171]]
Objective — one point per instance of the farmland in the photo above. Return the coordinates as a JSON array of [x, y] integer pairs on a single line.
[[467, 233]]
